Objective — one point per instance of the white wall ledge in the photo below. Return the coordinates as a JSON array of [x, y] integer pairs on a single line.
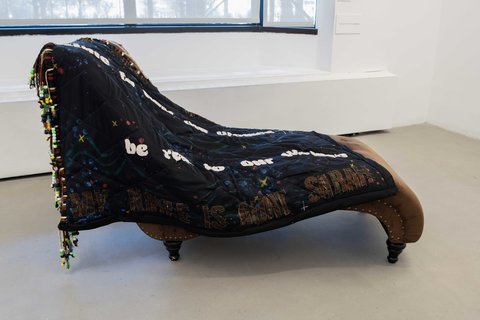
[[220, 79], [256, 76]]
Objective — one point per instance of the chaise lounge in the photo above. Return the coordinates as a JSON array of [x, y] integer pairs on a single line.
[[121, 151]]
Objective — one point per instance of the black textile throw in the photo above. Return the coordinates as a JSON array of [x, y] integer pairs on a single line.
[[122, 151]]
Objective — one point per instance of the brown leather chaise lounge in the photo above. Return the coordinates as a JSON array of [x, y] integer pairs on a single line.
[[401, 215], [123, 152]]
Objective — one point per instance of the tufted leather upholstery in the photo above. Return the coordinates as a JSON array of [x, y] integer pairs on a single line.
[[400, 214]]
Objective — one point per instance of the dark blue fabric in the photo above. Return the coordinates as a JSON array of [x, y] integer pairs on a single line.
[[131, 154]]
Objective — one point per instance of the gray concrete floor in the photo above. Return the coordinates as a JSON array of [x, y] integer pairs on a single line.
[[328, 267]]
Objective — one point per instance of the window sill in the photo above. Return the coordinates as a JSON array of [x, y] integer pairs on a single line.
[[144, 28]]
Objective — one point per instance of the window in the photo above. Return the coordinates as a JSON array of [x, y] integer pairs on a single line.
[[46, 14], [203, 11], [59, 11], [297, 13]]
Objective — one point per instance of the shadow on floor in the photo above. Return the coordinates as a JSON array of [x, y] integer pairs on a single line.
[[340, 239]]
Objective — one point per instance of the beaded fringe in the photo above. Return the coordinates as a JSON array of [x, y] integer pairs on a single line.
[[42, 80]]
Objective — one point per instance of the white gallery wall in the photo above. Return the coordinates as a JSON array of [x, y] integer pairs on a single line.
[[376, 77], [455, 99], [400, 36]]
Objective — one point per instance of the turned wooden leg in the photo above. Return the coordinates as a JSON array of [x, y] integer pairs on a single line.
[[394, 250], [173, 247]]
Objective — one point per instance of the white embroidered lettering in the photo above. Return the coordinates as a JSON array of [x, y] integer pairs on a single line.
[[240, 135], [169, 154], [196, 127], [293, 152], [124, 78], [213, 168], [259, 162], [131, 148], [157, 103]]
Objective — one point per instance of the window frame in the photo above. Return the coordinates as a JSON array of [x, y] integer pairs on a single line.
[[130, 24]]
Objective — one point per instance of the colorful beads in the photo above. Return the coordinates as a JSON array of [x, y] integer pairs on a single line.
[[31, 78], [49, 117], [68, 240]]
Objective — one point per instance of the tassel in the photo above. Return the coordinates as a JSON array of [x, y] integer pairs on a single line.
[[31, 79], [68, 240]]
